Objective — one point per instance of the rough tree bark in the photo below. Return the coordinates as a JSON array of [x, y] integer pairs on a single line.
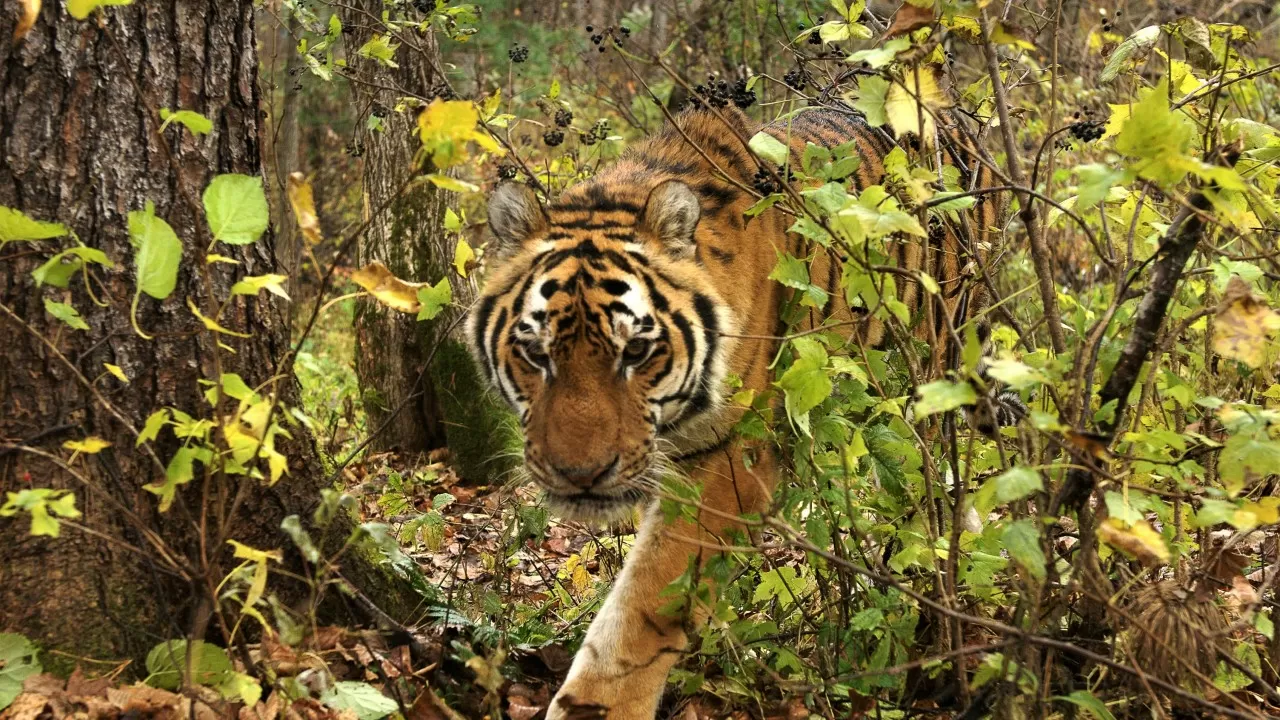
[[449, 405], [79, 145]]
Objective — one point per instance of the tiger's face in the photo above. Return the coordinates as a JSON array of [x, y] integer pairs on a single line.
[[598, 328]]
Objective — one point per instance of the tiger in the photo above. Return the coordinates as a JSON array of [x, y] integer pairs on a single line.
[[610, 320]]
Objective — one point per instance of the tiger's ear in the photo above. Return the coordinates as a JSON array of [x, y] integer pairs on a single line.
[[515, 214], [671, 213]]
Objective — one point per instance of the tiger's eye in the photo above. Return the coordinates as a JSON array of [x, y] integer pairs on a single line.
[[636, 350]]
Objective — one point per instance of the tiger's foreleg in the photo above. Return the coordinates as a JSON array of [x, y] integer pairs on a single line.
[[621, 669]]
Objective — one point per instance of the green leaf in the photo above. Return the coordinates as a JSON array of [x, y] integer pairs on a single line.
[[1012, 484], [883, 55], [241, 687], [66, 314], [361, 698], [151, 429], [434, 299], [80, 9], [1159, 136], [157, 252], [1095, 182], [805, 383], [1015, 374], [190, 119], [236, 208], [943, 395], [180, 471], [1244, 453], [1022, 540], [292, 527], [19, 660], [1136, 44], [1085, 700], [381, 49], [167, 662], [59, 269], [872, 92], [769, 148], [14, 225]]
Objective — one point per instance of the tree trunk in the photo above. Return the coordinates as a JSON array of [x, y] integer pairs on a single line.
[[448, 406], [79, 144]]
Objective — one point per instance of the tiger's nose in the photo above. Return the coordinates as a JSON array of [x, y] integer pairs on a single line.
[[587, 477]]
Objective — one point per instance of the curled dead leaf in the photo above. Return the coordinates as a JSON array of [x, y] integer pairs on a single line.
[[1244, 325], [302, 200], [907, 19], [30, 11], [1138, 540], [388, 289]]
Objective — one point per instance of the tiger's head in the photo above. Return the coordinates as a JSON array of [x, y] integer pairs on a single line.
[[599, 326]]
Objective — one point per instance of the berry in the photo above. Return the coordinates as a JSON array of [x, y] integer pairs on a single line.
[[1087, 130], [553, 137], [796, 78], [518, 53], [506, 172], [815, 39], [765, 183], [626, 31], [590, 29], [742, 97], [564, 118]]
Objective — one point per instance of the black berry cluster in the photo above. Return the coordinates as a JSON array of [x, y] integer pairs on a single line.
[[1087, 130], [766, 184], [714, 93], [796, 78], [618, 35], [598, 132], [741, 96], [553, 137], [564, 118], [506, 172], [815, 37], [518, 53]]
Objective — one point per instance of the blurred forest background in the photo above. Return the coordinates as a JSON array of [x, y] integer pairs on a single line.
[[282, 490]]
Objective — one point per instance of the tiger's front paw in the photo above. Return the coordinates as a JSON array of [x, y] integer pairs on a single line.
[[603, 700]]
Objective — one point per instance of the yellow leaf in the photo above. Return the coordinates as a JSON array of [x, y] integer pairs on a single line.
[[91, 445], [388, 289], [244, 552], [210, 323], [117, 372], [215, 258], [30, 11], [1243, 325], [255, 284], [902, 108], [453, 184], [1119, 116], [462, 257], [1004, 34], [303, 203], [446, 126], [1139, 540]]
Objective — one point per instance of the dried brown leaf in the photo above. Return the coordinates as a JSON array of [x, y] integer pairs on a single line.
[[909, 18]]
